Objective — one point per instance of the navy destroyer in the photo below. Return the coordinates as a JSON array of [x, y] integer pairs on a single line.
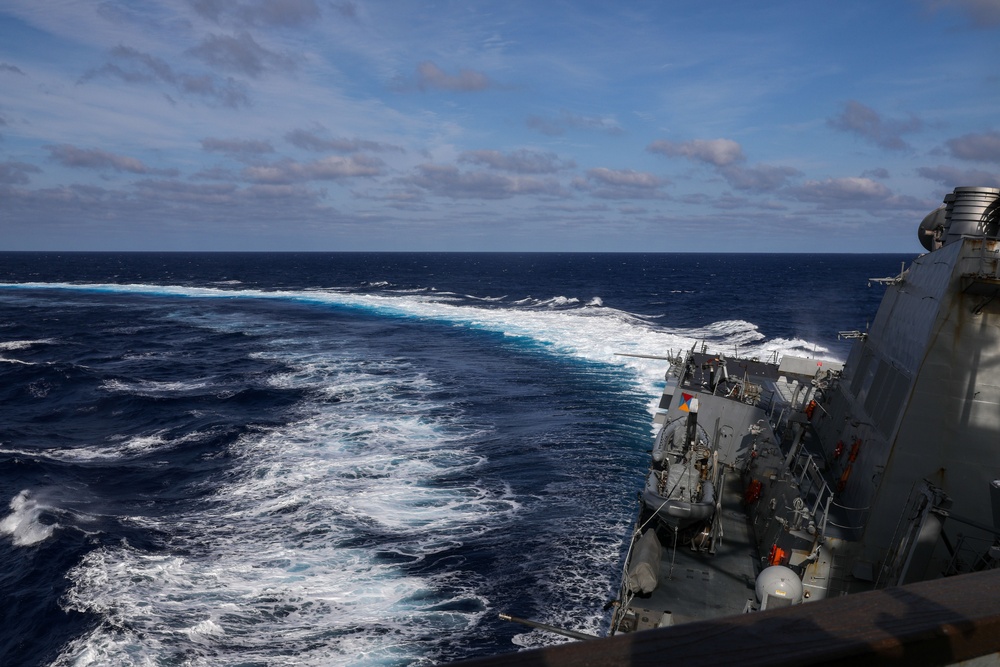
[[777, 482]]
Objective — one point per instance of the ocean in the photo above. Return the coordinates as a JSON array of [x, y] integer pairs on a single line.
[[350, 458]]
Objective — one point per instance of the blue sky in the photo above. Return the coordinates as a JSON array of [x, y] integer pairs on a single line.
[[526, 126]]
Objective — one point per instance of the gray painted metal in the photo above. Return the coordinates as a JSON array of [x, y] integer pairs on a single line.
[[844, 474]]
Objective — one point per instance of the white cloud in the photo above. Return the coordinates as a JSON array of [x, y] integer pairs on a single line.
[[607, 183], [567, 120], [94, 158], [848, 190], [331, 168], [522, 161], [717, 152], [449, 181]]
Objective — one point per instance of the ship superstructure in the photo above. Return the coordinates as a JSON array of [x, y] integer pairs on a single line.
[[782, 481]]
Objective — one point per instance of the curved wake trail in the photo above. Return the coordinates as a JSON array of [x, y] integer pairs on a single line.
[[592, 332]]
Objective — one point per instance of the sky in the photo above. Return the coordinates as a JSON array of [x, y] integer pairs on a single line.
[[550, 125]]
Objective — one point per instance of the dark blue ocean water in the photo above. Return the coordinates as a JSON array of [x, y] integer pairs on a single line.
[[319, 459]]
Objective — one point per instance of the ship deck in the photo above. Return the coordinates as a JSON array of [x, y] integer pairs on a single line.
[[696, 585]]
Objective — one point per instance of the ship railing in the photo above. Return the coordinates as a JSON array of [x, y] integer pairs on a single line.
[[767, 403], [813, 488], [816, 491], [781, 423], [972, 554], [810, 480], [777, 425], [625, 594], [851, 520]]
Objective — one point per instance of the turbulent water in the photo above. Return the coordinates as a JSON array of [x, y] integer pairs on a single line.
[[319, 459]]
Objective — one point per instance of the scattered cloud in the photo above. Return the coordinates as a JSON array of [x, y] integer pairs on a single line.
[[726, 156], [215, 174], [237, 148], [625, 178], [275, 13], [544, 143], [332, 168], [520, 161], [216, 193], [760, 178], [449, 181], [843, 191], [240, 53], [167, 204], [566, 120], [133, 66], [222, 193], [545, 126], [293, 193], [982, 14], [621, 184], [981, 147], [16, 173], [951, 177], [432, 77], [348, 10], [717, 152], [411, 199], [878, 173], [729, 202], [94, 158], [871, 126], [313, 141]]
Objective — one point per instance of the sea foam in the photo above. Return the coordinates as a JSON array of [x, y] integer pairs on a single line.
[[278, 555], [23, 523]]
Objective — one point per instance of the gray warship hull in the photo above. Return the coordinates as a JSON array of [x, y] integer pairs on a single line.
[[785, 481]]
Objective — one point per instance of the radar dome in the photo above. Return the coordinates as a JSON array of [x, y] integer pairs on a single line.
[[778, 586]]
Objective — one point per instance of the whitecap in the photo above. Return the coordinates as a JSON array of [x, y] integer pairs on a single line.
[[489, 299], [117, 448], [204, 630], [22, 524], [154, 388], [24, 344], [16, 361], [558, 302]]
